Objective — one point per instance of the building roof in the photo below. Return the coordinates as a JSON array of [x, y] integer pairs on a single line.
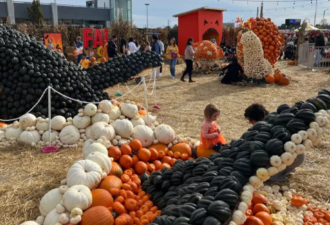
[[199, 9]]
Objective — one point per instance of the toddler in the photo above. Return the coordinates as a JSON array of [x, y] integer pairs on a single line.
[[211, 136]]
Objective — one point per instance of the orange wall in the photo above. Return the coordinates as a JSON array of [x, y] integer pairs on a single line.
[[211, 17], [188, 28]]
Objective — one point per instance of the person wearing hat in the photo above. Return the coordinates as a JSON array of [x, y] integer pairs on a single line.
[[156, 48]]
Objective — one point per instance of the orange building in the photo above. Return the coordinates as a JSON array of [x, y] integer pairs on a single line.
[[199, 24]]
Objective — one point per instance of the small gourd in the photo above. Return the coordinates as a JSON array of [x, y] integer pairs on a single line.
[[275, 161], [320, 120], [243, 207], [281, 167], [290, 147], [246, 197], [300, 149], [238, 217], [296, 138], [90, 109], [272, 171], [303, 135], [255, 182], [286, 158], [262, 174]]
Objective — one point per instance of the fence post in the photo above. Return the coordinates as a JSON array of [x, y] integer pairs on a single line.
[[49, 113], [145, 97]]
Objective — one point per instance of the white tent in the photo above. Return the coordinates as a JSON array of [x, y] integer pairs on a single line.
[[308, 28]]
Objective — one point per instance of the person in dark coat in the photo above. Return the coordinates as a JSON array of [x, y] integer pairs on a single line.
[[232, 74], [122, 49], [112, 47], [319, 44]]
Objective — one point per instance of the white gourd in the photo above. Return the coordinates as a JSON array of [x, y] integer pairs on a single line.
[[90, 109], [272, 171], [149, 119], [94, 147], [58, 123], [262, 174], [300, 149], [42, 125], [312, 134], [69, 135], [105, 106], [308, 144], [296, 138], [303, 135], [81, 122], [249, 188], [138, 121], [102, 160], [129, 110], [64, 218], [281, 167], [88, 132], [243, 207], [27, 120], [78, 196], [238, 217], [144, 134], [286, 158], [100, 129], [100, 117], [12, 132], [275, 161], [30, 223], [314, 125], [114, 113], [320, 120], [164, 134], [30, 137], [123, 128], [246, 197], [53, 135], [76, 212], [53, 218], [255, 182], [49, 201], [84, 172], [290, 147]]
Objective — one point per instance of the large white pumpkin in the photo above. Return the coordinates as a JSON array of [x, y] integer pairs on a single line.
[[114, 113], [90, 109], [53, 217], [164, 134], [81, 122], [77, 196], [100, 129], [102, 160], [136, 122], [129, 110], [27, 120], [88, 132], [105, 106], [30, 223], [13, 132], [123, 128], [91, 147], [84, 172], [69, 135], [100, 117], [49, 201], [30, 137], [58, 123], [149, 119], [144, 134], [42, 124], [53, 135]]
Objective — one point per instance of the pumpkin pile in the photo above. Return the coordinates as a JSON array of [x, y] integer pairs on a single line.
[[27, 67], [278, 78], [206, 50]]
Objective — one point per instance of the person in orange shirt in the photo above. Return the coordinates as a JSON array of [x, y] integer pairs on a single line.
[[84, 63]]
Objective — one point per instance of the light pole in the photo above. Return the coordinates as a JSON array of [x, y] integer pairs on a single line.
[[147, 4], [315, 13], [324, 13]]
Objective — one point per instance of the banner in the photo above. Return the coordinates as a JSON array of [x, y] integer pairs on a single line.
[[96, 39], [53, 41]]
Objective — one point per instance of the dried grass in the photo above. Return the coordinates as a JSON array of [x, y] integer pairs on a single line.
[[26, 174]]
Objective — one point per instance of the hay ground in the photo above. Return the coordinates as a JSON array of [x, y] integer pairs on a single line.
[[26, 174]]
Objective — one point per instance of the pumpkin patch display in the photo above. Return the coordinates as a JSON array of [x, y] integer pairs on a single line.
[[206, 50]]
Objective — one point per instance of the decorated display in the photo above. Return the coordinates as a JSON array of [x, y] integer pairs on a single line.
[[206, 50], [27, 67]]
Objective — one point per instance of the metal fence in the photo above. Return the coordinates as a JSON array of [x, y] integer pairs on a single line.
[[314, 57]]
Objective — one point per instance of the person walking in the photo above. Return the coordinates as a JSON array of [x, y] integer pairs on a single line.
[[161, 44], [172, 56], [123, 49], [189, 56], [319, 44], [155, 48], [132, 46], [79, 49], [112, 47]]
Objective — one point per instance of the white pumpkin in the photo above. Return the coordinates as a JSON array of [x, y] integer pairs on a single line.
[[275, 161], [13, 132], [238, 217], [290, 147], [272, 171], [137, 121], [308, 144], [58, 123], [94, 147], [84, 172], [312, 134], [129, 110], [144, 134], [81, 122], [320, 120], [243, 207], [105, 106], [281, 167], [30, 137], [164, 134], [100, 117], [27, 120], [300, 149], [286, 158], [314, 125], [30, 223], [123, 128], [303, 135], [115, 113], [102, 160], [262, 174], [69, 135], [246, 197], [255, 182], [100, 129], [90, 109], [53, 218], [53, 136], [49, 201], [296, 138], [88, 132], [42, 125], [77, 196], [149, 119]]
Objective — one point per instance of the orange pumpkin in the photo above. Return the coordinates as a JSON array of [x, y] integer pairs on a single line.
[[119, 208], [259, 198], [98, 215], [204, 152], [277, 76], [114, 152], [131, 204], [110, 182], [125, 178], [284, 81], [142, 112], [252, 220], [182, 148], [103, 59], [125, 149], [153, 154], [116, 169], [260, 208], [114, 191], [298, 201], [265, 218], [135, 145], [159, 147], [270, 79], [144, 154], [140, 167], [92, 59], [184, 156], [126, 161], [157, 164], [135, 159], [177, 155], [101, 198]]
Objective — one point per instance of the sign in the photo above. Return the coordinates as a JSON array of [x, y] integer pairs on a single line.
[[53, 41], [98, 37], [294, 22]]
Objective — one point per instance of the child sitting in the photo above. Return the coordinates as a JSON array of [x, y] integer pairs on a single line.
[[211, 136], [84, 62]]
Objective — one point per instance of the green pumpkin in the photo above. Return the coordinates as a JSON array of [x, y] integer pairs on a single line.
[[325, 99], [282, 134], [220, 210], [318, 103], [217, 181], [214, 168], [296, 125], [244, 154], [166, 185], [284, 118], [214, 156], [182, 221], [298, 104], [240, 177], [208, 176], [266, 128], [274, 147], [306, 115], [324, 91], [248, 136], [200, 170], [167, 174], [195, 198], [232, 183], [225, 152], [228, 196], [183, 200], [225, 171], [212, 192], [173, 200], [243, 166], [202, 187], [308, 105], [236, 143], [188, 167], [198, 216], [170, 194], [257, 126], [282, 108], [256, 145], [210, 220], [205, 202], [226, 162], [245, 146], [260, 158], [262, 137], [176, 178]]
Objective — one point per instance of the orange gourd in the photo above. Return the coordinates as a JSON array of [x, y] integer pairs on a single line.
[[116, 169], [177, 155], [135, 145], [166, 159], [284, 81], [270, 79], [184, 156], [135, 159], [101, 198], [125, 178], [144, 154], [252, 220], [298, 201], [131, 204], [98, 215], [140, 167], [153, 154], [157, 164], [119, 208], [114, 152], [260, 208], [125, 149], [92, 59], [159, 147], [126, 161], [161, 154], [110, 182], [123, 193], [114, 191], [277, 76], [259, 198], [182, 148], [265, 218]]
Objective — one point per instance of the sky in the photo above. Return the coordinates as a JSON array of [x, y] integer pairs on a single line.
[[161, 11]]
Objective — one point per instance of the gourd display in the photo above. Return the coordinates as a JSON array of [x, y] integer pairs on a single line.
[[206, 50], [27, 67]]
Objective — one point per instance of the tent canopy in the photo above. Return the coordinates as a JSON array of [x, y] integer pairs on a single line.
[[308, 28]]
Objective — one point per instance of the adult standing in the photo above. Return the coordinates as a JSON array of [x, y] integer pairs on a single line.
[[319, 44], [132, 46], [123, 49], [79, 49], [189, 56], [112, 47], [162, 49], [148, 47], [257, 112], [172, 55], [156, 48]]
